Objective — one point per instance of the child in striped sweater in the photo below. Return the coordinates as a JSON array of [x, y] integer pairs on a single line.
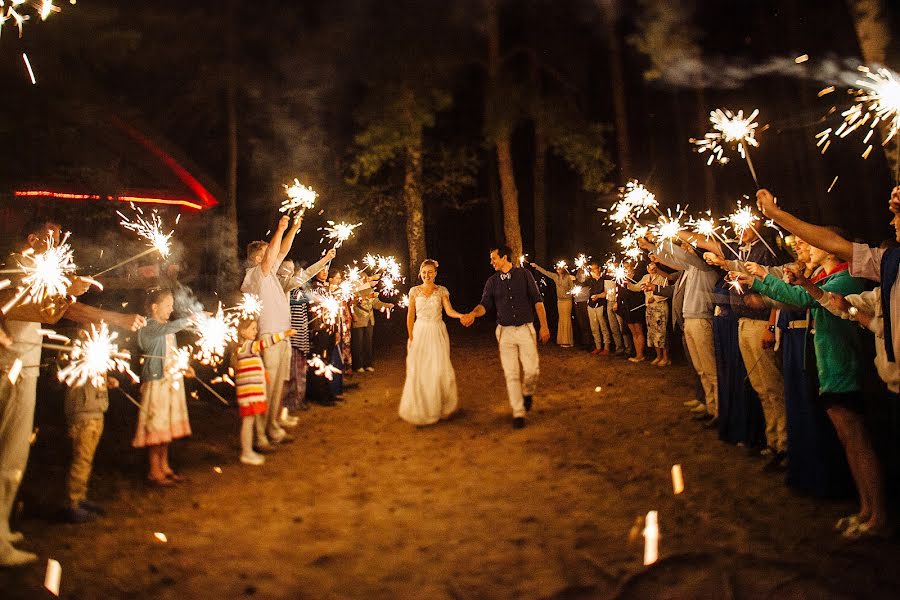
[[250, 381]]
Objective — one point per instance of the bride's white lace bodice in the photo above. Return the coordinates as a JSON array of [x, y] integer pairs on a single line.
[[429, 308]]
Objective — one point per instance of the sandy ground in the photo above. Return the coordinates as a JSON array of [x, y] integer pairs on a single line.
[[363, 505]]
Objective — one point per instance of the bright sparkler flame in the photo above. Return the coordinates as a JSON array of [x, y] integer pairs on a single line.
[[581, 262], [216, 331], [181, 362], [619, 273], [150, 229], [339, 232], [49, 273], [322, 368], [704, 227], [736, 286], [741, 219], [300, 198], [668, 230], [638, 197], [876, 101], [346, 290], [327, 307], [576, 290], [93, 355], [633, 253], [403, 302], [250, 306], [728, 128], [561, 265], [522, 260]]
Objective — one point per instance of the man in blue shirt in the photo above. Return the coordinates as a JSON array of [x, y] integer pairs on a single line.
[[515, 295]]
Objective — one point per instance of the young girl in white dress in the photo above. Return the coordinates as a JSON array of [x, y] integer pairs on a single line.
[[429, 393]]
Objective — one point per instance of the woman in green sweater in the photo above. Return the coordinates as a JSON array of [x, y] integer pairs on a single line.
[[839, 362]]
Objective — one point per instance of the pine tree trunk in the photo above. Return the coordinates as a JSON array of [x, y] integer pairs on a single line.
[[540, 206], [617, 74], [228, 273], [412, 191], [873, 32], [502, 135]]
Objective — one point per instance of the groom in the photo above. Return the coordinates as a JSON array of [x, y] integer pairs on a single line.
[[514, 293]]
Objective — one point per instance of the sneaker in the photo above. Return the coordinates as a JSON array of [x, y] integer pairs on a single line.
[[289, 421], [845, 523], [266, 448], [253, 459], [370, 369], [286, 438], [360, 370], [79, 515], [519, 423], [17, 558], [664, 363], [691, 403], [655, 361], [700, 409], [527, 401], [635, 359]]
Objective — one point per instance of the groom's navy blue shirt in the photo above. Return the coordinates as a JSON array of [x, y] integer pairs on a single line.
[[513, 294]]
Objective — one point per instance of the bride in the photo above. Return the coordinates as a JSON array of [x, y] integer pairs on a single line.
[[429, 393]]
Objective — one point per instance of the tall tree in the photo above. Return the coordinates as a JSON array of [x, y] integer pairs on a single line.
[[499, 128], [610, 13]]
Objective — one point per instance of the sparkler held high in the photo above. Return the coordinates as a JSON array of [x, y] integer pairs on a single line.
[[300, 198], [339, 232], [729, 128], [151, 229]]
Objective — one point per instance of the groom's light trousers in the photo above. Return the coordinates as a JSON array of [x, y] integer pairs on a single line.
[[518, 346]]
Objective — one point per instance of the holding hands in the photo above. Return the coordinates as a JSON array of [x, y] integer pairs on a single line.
[[467, 320]]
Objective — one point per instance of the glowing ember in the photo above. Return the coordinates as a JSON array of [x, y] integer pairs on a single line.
[[326, 306], [741, 219], [728, 128], [93, 355], [216, 332], [150, 229], [300, 198], [561, 265], [249, 308], [47, 274], [704, 227], [638, 197]]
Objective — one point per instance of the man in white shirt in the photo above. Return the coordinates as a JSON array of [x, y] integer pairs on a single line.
[[275, 317]]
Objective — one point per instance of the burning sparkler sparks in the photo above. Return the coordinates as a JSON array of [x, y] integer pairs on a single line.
[[322, 368], [729, 128], [403, 302], [14, 12], [93, 355], [326, 306], [561, 265], [151, 229], [877, 102], [581, 263], [339, 232], [180, 363], [250, 306], [639, 198], [46, 274], [216, 331], [576, 290], [300, 198]]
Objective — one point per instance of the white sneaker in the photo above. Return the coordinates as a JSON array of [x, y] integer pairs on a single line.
[[360, 370], [289, 421], [370, 369], [253, 459], [13, 557]]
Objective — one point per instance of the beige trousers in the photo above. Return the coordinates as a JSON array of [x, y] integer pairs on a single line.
[[766, 379], [698, 337], [518, 345], [277, 360], [85, 437], [564, 327]]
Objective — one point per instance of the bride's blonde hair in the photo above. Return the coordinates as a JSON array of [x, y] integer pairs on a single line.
[[428, 262]]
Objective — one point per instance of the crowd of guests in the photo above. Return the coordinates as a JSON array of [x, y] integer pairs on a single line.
[[781, 337], [290, 356]]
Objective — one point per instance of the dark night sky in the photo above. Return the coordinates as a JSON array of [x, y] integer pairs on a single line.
[[162, 67]]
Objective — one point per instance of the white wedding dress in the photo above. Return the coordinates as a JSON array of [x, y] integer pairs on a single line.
[[429, 393]]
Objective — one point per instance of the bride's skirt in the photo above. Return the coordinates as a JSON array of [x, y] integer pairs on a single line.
[[429, 393]]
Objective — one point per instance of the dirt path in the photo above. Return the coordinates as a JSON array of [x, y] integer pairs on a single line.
[[364, 505]]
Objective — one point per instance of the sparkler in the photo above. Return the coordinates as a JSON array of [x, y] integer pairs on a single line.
[[743, 219], [707, 228], [151, 229], [327, 307], [46, 274], [581, 263], [877, 102], [620, 274], [576, 290], [249, 307], [403, 302], [322, 368], [93, 355], [561, 265], [15, 12], [639, 198], [339, 232], [216, 331], [181, 362], [729, 128], [300, 198]]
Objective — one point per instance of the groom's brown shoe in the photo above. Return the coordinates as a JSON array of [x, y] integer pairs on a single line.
[[519, 423], [527, 401]]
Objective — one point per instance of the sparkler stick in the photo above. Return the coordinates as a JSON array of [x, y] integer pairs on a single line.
[[130, 398], [212, 391], [125, 262]]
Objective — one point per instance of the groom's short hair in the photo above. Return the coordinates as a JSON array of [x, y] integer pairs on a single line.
[[502, 250]]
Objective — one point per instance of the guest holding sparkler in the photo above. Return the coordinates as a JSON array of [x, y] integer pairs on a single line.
[[343, 358], [617, 327], [250, 381], [564, 282], [363, 331], [164, 415], [697, 311], [629, 307], [657, 314], [583, 333], [261, 279], [600, 329], [838, 360], [321, 341], [85, 406]]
